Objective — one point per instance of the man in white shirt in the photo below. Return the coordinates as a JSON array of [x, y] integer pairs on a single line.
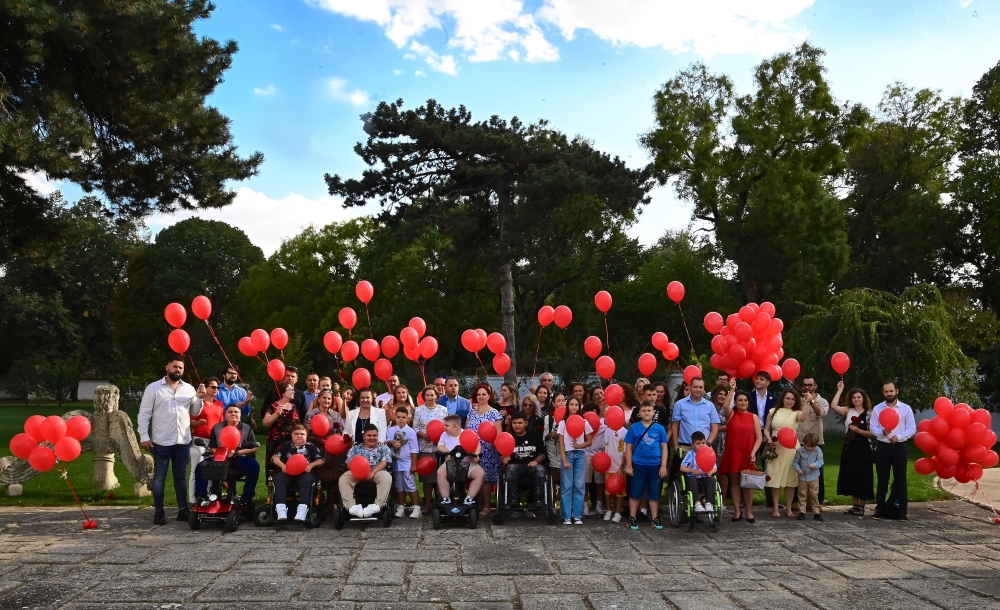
[[890, 453], [168, 405]]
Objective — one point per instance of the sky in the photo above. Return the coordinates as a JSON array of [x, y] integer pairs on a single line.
[[307, 69]]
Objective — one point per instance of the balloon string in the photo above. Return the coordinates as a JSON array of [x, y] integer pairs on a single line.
[[686, 329], [534, 368], [371, 331], [607, 335], [195, 367], [337, 360], [486, 371], [266, 362], [423, 375], [565, 345], [65, 475], [224, 355]]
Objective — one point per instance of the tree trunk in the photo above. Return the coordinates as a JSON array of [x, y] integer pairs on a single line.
[[507, 318]]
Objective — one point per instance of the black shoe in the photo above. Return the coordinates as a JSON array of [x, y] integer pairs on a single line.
[[641, 517], [182, 515], [877, 515], [159, 518], [902, 518], [817, 517], [801, 517]]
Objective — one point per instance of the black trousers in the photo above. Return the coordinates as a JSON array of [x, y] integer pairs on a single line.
[[517, 471], [890, 456]]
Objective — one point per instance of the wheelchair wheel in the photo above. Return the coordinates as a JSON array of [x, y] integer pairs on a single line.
[[551, 517], [386, 516], [340, 519], [498, 518], [232, 521], [436, 518], [473, 518], [675, 503], [262, 516], [193, 521], [313, 518]]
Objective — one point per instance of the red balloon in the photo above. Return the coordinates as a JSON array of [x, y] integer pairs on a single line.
[[675, 290], [335, 444], [33, 427], [775, 371], [594, 420], [690, 372], [924, 426], [427, 465], [469, 440], [22, 445], [418, 324], [496, 342], [889, 419], [575, 426], [775, 327], [959, 418], [975, 434], [962, 473], [746, 369], [926, 442], [945, 471], [365, 291], [296, 465], [925, 465], [483, 337], [504, 443], [175, 314], [787, 438], [370, 349], [613, 394], [647, 364], [279, 338], [671, 351], [360, 467], [614, 484], [320, 425], [601, 462], [332, 341], [761, 322], [732, 320], [790, 368], [247, 348], [660, 341], [435, 428], [717, 362], [487, 431], [614, 417], [943, 407], [705, 458], [350, 350], [260, 340], [605, 367], [946, 456], [501, 364], [201, 307], [42, 459], [276, 369], [737, 353], [939, 427], [390, 346], [545, 315], [179, 340], [470, 341], [412, 352], [361, 378], [603, 301], [974, 453], [592, 347], [383, 369], [562, 316], [743, 331], [714, 322], [559, 414], [768, 308], [975, 471], [408, 337], [990, 439], [53, 428], [747, 314], [840, 362], [348, 318], [990, 460], [982, 416], [428, 347], [230, 437]]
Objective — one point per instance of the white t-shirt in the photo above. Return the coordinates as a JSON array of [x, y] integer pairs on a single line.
[[598, 441], [614, 446], [568, 441]]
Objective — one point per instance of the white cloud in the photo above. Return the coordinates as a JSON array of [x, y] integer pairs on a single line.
[[270, 90], [40, 182], [275, 26], [489, 30], [338, 90], [419, 73], [266, 221], [437, 62], [965, 3], [397, 72]]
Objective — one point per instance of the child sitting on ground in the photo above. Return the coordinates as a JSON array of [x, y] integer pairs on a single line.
[[808, 461], [699, 482], [404, 453], [446, 472]]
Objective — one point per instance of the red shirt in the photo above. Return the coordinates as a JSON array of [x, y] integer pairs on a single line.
[[213, 414]]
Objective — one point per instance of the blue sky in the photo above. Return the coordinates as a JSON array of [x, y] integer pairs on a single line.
[[307, 70]]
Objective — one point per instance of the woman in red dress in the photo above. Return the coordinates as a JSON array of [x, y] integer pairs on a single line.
[[743, 439]]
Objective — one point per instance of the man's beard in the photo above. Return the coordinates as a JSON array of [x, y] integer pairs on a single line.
[[175, 376]]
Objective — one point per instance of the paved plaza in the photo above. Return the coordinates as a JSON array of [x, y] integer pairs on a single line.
[[947, 556]]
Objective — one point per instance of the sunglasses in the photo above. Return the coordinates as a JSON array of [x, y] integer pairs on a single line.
[[213, 387]]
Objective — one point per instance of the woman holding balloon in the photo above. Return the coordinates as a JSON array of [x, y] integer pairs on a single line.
[[280, 418], [425, 414], [575, 434], [487, 422], [855, 478], [781, 425]]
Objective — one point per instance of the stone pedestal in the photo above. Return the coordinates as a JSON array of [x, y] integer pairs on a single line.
[[15, 489], [141, 490], [105, 403]]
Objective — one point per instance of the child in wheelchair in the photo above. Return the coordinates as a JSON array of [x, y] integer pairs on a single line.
[[701, 484], [282, 480], [449, 446]]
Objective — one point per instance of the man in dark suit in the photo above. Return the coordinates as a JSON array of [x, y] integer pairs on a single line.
[[291, 376], [763, 401]]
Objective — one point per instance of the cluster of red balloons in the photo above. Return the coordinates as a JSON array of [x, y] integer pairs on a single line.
[[670, 351], [415, 344], [259, 341], [958, 441], [40, 432], [175, 315], [748, 342], [561, 315], [474, 340]]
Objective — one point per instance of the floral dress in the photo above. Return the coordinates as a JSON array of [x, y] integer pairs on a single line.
[[281, 430], [720, 439], [489, 459]]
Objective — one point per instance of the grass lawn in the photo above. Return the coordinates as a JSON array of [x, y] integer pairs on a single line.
[[49, 489]]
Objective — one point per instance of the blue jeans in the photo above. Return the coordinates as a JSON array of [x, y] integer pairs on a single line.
[[177, 457], [645, 479], [571, 484], [251, 471]]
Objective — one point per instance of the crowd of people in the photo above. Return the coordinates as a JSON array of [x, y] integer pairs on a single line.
[[660, 439]]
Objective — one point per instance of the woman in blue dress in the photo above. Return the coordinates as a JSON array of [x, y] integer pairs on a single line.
[[490, 461]]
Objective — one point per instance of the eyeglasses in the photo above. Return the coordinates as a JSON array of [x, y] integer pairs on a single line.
[[213, 387]]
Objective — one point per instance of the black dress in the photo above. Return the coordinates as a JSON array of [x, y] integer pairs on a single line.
[[856, 478]]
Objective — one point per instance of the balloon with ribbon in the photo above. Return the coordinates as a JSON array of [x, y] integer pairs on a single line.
[[545, 315], [613, 395], [361, 378], [562, 316], [350, 350], [840, 362], [383, 369], [592, 347], [501, 364], [359, 467], [247, 348], [487, 431], [418, 324], [179, 340], [279, 338], [201, 307], [332, 341], [496, 342], [690, 372], [470, 341], [647, 364], [390, 346], [175, 314], [675, 290], [603, 301], [347, 318], [364, 291], [370, 349], [428, 347], [276, 369], [260, 340], [605, 367], [320, 425], [68, 449], [408, 336]]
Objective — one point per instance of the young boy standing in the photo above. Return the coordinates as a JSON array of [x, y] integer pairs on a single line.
[[646, 450], [699, 482], [404, 452], [614, 445], [808, 461]]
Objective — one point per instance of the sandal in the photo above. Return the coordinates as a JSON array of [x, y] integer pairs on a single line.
[[852, 511], [776, 515]]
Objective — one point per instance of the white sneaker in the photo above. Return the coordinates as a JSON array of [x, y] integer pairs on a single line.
[[400, 510], [699, 507], [567, 522], [617, 518], [599, 511], [371, 509], [356, 511], [469, 501], [708, 507], [607, 515], [586, 510], [300, 512], [577, 521], [416, 513], [529, 514], [282, 511]]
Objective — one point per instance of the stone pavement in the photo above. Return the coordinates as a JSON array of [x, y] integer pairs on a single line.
[[947, 556]]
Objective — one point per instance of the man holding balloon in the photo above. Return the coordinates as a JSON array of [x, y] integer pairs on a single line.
[[242, 444], [893, 424]]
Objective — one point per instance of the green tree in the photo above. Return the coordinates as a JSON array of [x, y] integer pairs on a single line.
[[111, 95], [757, 168], [902, 226], [500, 191]]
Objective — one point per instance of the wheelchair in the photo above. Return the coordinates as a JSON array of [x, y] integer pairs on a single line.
[[222, 503], [365, 494], [458, 510], [266, 514], [681, 502], [525, 485]]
